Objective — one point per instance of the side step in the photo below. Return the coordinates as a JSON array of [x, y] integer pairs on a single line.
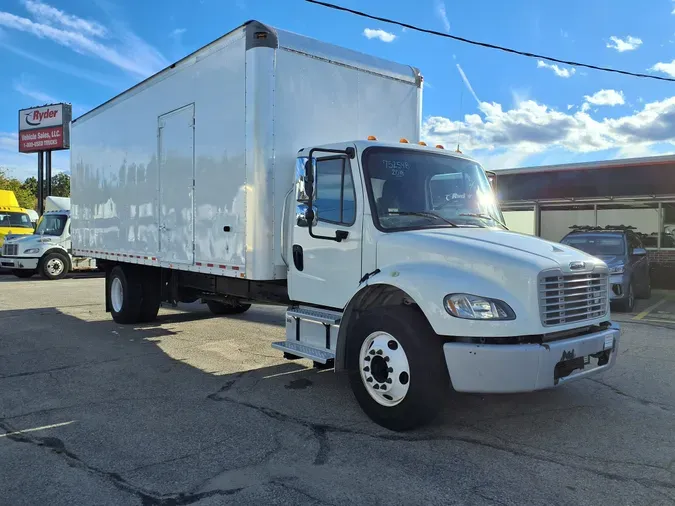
[[315, 315], [302, 350]]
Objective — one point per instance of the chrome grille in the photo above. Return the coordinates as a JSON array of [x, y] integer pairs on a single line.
[[569, 298], [10, 250]]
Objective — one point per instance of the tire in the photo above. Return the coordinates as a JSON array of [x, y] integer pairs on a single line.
[[151, 299], [23, 273], [628, 304], [53, 266], [425, 384], [222, 309], [125, 295]]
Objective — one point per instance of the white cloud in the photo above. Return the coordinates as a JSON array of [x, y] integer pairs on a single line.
[[536, 128], [666, 68], [628, 44], [37, 95], [468, 84], [570, 107], [371, 33], [606, 97], [564, 34], [130, 52], [47, 14], [72, 70], [442, 14], [585, 107], [177, 33], [560, 72]]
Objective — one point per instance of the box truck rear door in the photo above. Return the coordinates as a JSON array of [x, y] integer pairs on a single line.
[[176, 186]]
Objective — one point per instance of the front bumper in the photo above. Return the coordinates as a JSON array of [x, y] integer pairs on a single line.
[[19, 262], [508, 368]]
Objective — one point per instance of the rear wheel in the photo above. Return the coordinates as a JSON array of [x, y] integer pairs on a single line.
[[151, 299], [23, 273], [53, 266], [396, 367], [125, 294], [221, 309]]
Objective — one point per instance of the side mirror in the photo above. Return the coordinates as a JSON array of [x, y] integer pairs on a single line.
[[304, 216], [639, 252], [309, 178]]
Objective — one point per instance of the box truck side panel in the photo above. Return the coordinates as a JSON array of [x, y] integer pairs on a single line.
[[319, 101], [138, 192]]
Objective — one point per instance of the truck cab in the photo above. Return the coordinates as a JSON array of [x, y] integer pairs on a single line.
[[397, 250], [14, 220], [48, 251]]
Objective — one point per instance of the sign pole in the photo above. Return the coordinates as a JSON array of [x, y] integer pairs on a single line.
[[48, 167], [40, 183]]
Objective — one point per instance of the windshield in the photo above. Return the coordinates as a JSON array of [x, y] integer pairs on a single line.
[[51, 224], [16, 220], [420, 189], [597, 245]]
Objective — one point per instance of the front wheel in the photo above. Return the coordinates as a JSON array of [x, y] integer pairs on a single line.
[[396, 367], [53, 266], [628, 304], [23, 273]]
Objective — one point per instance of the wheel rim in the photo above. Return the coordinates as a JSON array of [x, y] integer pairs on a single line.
[[55, 266], [384, 368], [116, 294]]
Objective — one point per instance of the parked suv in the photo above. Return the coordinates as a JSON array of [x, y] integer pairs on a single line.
[[623, 252]]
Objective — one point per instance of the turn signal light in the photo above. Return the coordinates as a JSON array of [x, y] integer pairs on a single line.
[[403, 140], [372, 138], [440, 146], [422, 143]]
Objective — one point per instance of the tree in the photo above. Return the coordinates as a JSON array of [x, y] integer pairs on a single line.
[[60, 185]]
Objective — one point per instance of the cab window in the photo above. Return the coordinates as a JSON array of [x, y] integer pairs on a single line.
[[335, 195]]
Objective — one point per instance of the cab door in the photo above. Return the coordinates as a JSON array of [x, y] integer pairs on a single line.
[[324, 271]]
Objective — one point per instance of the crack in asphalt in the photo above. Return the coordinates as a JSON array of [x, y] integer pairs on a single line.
[[644, 402], [74, 366], [319, 428], [147, 497]]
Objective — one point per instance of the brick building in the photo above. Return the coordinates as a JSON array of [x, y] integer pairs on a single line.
[[640, 192]]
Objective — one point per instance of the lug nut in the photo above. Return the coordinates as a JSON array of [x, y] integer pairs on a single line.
[[372, 352], [369, 380], [376, 387], [366, 369], [379, 352], [389, 380], [386, 359], [384, 387], [391, 369], [367, 359]]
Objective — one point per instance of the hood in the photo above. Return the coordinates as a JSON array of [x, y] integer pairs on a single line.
[[612, 259], [481, 246], [10, 232]]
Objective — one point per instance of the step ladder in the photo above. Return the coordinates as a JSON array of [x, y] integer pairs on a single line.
[[294, 346]]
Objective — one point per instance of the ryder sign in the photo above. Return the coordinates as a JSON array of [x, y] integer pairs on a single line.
[[44, 128]]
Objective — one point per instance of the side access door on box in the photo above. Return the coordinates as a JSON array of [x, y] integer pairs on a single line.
[[176, 134]]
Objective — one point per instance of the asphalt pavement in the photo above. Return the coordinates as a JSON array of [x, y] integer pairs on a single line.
[[194, 409]]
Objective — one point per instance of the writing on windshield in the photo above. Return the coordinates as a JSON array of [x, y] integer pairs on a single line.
[[422, 189]]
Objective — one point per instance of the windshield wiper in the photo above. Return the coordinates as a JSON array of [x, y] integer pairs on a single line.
[[483, 217], [426, 214]]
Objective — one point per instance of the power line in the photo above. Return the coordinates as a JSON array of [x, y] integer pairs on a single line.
[[487, 45]]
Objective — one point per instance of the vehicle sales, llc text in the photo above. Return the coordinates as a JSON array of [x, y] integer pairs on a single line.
[[41, 139]]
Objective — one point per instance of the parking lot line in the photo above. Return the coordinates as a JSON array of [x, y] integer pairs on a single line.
[[45, 427], [651, 308]]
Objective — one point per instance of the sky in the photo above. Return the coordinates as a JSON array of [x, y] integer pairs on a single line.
[[504, 110]]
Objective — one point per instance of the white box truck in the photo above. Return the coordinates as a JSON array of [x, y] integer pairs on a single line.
[[269, 167], [48, 251]]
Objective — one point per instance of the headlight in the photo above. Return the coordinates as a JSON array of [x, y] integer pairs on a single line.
[[617, 269], [472, 307], [32, 250]]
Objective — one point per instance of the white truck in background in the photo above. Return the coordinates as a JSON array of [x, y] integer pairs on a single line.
[[269, 167], [48, 251]]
